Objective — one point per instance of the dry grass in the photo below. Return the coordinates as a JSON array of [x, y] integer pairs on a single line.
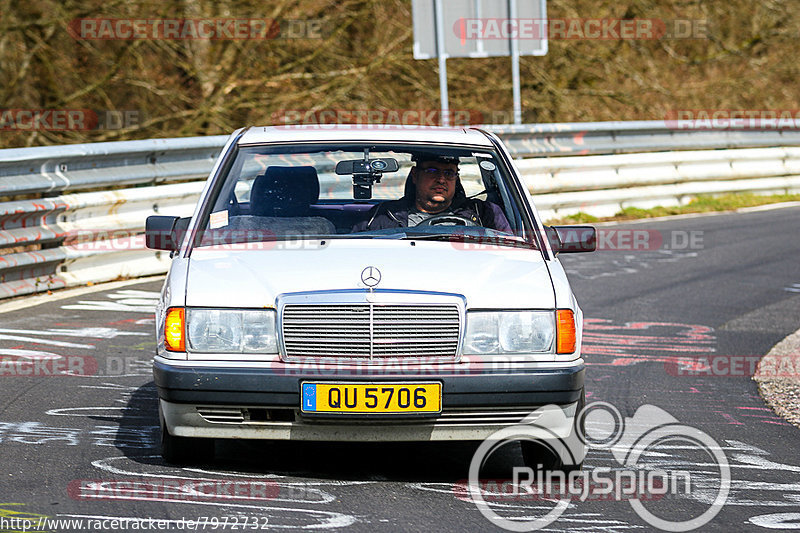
[[364, 61]]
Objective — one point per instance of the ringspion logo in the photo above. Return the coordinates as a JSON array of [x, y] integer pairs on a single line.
[[636, 443]]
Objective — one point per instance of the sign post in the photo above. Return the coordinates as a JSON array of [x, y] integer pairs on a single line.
[[440, 52], [478, 28], [514, 44]]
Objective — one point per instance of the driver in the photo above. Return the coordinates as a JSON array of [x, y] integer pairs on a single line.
[[434, 189]]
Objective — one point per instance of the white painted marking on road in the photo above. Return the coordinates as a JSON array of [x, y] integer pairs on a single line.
[[764, 463], [259, 476], [141, 437], [96, 411], [132, 301], [777, 520], [330, 519], [600, 523], [46, 341], [108, 386], [132, 293], [325, 519], [93, 305], [795, 287], [197, 489], [608, 265], [33, 355], [95, 333], [36, 433], [129, 519], [102, 464]]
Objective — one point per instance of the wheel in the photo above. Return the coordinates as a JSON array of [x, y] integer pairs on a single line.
[[452, 220], [544, 452], [183, 450]]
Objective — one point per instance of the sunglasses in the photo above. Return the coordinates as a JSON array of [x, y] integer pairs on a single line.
[[446, 173]]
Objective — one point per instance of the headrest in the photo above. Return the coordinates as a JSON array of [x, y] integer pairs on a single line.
[[284, 191]]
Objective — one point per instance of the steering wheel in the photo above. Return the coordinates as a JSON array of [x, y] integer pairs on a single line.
[[454, 220]]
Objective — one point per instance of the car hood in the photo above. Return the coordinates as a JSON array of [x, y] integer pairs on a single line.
[[500, 277]]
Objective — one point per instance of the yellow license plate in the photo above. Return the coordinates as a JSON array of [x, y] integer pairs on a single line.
[[368, 398]]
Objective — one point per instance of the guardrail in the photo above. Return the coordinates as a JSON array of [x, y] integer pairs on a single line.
[[71, 215], [602, 185], [70, 211], [593, 138]]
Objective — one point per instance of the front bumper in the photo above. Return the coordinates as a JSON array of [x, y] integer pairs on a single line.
[[262, 402]]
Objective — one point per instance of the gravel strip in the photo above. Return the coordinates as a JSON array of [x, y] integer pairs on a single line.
[[778, 378]]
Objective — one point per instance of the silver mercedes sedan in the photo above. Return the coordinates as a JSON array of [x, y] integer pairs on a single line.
[[358, 283]]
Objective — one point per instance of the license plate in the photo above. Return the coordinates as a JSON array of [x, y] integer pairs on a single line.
[[368, 398]]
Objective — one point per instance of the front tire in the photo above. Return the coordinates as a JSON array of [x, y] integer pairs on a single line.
[[183, 450], [539, 453]]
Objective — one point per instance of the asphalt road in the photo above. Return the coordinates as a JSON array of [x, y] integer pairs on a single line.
[[715, 288]]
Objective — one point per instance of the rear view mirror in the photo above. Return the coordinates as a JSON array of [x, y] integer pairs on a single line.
[[363, 166], [572, 239], [366, 172], [164, 232]]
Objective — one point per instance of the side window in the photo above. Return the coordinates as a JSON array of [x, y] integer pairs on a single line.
[[471, 178], [497, 192]]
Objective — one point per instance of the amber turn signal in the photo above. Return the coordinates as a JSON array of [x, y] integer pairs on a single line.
[[565, 331], [174, 339]]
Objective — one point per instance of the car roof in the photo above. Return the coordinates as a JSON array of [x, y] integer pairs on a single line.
[[364, 132]]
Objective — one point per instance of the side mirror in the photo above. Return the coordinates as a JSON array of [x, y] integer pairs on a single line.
[[164, 232], [572, 239]]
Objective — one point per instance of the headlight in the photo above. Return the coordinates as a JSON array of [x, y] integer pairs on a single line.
[[509, 332], [231, 330]]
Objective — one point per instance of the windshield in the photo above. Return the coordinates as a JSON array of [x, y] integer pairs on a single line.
[[279, 192]]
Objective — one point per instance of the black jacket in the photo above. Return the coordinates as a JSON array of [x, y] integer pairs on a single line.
[[394, 214]]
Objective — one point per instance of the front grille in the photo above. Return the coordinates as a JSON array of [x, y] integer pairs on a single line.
[[478, 416], [371, 331], [222, 415], [487, 417], [247, 415]]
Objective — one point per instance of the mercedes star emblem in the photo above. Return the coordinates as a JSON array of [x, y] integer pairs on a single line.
[[371, 276]]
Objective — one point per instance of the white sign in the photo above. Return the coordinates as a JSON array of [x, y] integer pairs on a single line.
[[480, 28]]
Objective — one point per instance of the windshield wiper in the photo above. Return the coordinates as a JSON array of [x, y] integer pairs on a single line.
[[486, 240]]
